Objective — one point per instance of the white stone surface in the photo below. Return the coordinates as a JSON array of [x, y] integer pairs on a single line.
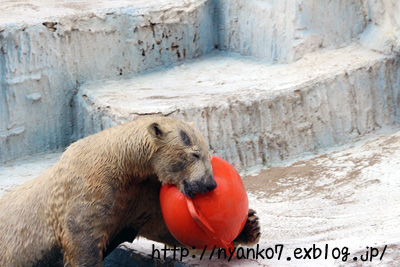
[[253, 113], [17, 172], [284, 31], [34, 11], [383, 31], [47, 49]]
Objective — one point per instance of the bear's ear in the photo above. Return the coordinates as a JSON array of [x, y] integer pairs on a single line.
[[191, 123], [156, 130]]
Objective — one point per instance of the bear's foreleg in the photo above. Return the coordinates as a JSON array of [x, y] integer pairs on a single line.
[[83, 251], [127, 234], [85, 234], [250, 234]]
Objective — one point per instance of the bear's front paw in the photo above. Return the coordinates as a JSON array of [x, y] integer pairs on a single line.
[[250, 234]]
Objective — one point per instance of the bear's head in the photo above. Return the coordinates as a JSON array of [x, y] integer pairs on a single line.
[[182, 157]]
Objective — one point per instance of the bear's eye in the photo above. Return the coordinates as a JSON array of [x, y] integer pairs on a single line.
[[196, 155], [185, 138]]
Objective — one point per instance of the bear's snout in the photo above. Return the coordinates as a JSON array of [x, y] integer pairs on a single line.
[[210, 184], [191, 188]]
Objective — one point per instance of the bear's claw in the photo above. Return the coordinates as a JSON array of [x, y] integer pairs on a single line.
[[250, 234]]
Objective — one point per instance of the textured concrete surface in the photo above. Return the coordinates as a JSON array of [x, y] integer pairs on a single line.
[[34, 11], [383, 30], [255, 114], [284, 31], [47, 50], [14, 173]]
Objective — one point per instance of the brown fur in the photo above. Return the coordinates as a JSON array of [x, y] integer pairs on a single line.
[[104, 185]]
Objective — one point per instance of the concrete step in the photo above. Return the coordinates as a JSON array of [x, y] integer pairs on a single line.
[[48, 47], [255, 114], [284, 31]]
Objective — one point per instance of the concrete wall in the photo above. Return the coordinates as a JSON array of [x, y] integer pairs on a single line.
[[383, 31], [283, 31], [264, 115], [42, 64]]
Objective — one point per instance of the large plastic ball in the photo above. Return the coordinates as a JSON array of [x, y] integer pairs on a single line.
[[210, 219]]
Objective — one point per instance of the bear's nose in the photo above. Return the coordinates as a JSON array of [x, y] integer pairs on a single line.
[[211, 184]]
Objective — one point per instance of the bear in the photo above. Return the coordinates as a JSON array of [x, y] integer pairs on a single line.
[[105, 190]]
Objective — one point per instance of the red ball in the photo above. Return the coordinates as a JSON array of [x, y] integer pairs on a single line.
[[213, 218]]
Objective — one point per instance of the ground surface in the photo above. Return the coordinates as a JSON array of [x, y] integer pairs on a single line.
[[348, 198]]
